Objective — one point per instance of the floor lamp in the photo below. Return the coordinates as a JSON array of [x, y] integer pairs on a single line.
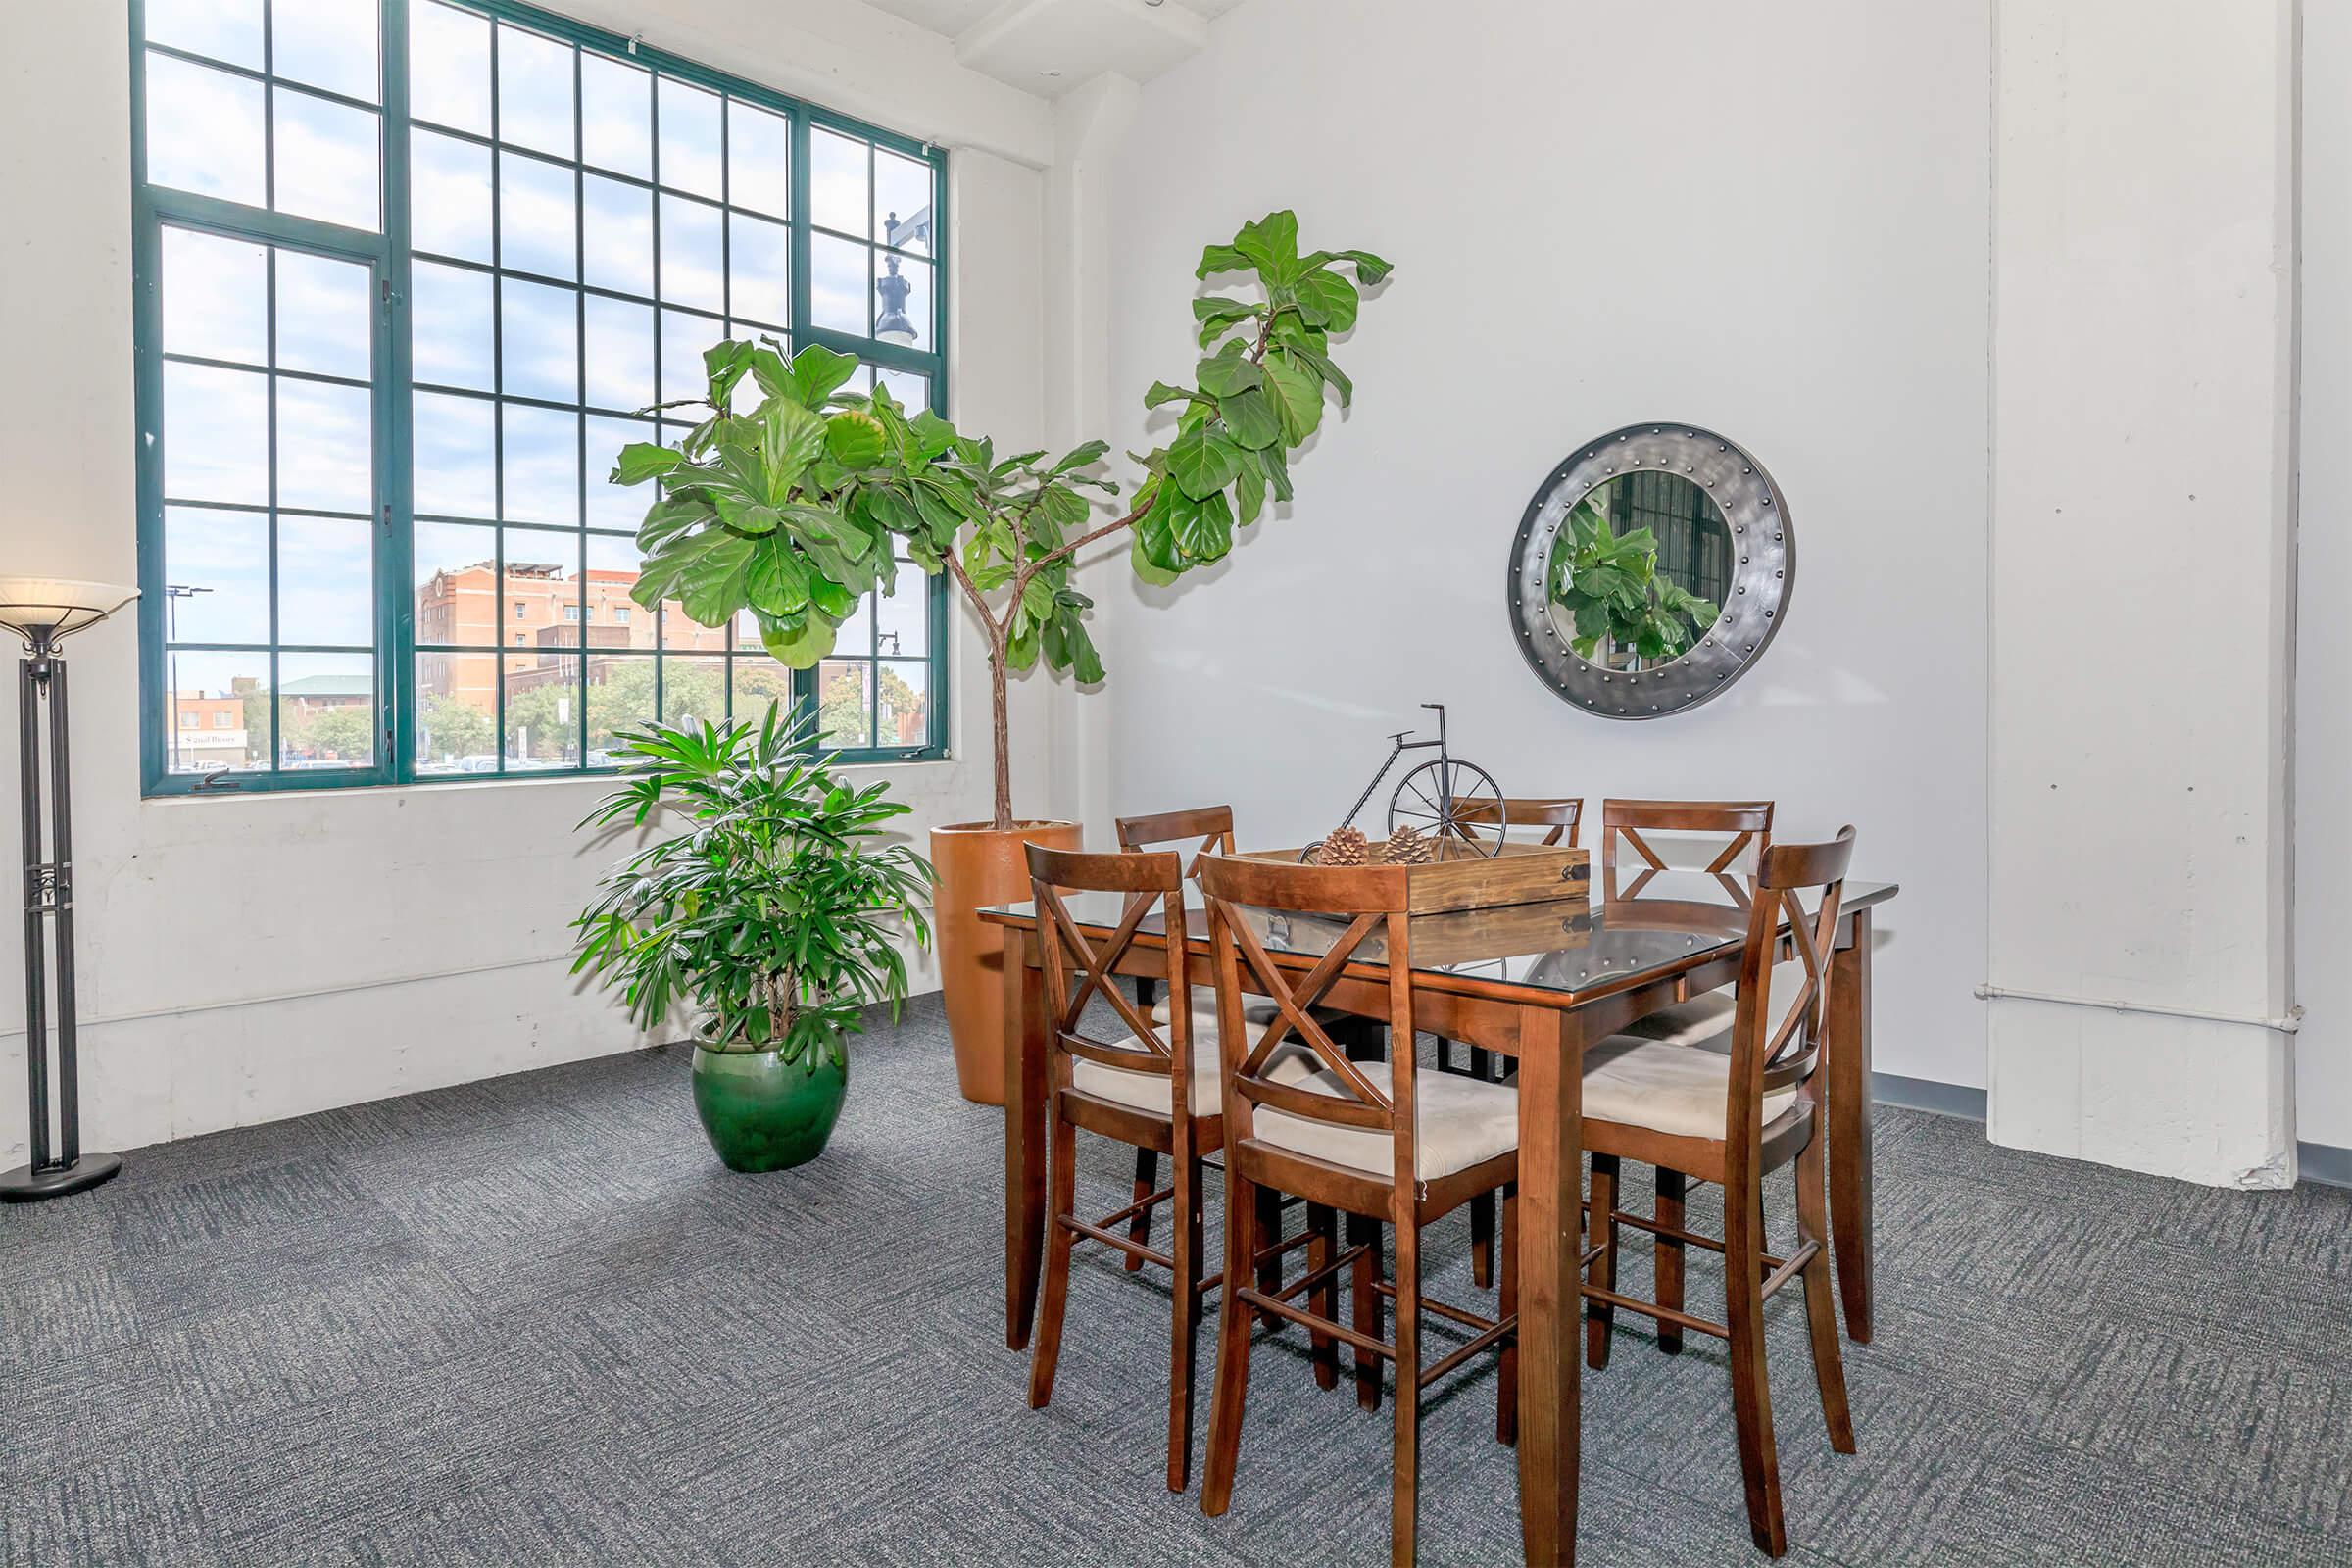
[[44, 611]]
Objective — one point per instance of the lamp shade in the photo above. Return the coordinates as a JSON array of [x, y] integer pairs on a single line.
[[46, 609]]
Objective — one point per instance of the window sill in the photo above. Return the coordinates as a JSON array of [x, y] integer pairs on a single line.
[[467, 782]]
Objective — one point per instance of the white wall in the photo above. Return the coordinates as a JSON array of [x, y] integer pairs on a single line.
[[245, 959], [2323, 633], [1766, 220], [2142, 489]]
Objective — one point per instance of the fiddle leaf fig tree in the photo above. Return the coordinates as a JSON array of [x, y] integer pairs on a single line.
[[789, 511], [758, 511]]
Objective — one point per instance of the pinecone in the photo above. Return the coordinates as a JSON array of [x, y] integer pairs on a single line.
[[1408, 845], [1345, 846]]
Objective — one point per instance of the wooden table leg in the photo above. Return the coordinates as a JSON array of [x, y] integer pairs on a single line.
[[1024, 1133], [1552, 1089], [1848, 1063]]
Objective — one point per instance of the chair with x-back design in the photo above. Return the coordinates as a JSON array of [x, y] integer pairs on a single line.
[[1743, 826], [1203, 830], [1680, 851], [1154, 1092], [1377, 1139], [1732, 1118]]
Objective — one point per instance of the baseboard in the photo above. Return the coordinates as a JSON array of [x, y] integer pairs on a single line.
[[1925, 1094], [2324, 1164]]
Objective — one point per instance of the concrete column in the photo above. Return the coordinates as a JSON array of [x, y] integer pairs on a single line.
[[2142, 583], [1088, 127]]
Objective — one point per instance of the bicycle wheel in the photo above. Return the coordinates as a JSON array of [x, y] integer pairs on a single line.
[[1432, 799]]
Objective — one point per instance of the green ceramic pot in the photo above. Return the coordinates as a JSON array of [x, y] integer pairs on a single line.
[[763, 1113]]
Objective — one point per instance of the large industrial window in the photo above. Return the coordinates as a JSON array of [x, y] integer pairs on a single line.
[[410, 273]]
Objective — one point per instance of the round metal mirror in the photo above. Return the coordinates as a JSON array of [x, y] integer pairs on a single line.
[[1650, 570]]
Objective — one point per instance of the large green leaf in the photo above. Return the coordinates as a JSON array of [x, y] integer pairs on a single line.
[[1251, 418], [1277, 468], [1322, 366], [1327, 299], [892, 510], [1203, 461], [799, 646], [1271, 244], [1161, 393], [776, 581], [1085, 455], [1037, 601], [1065, 507], [793, 438], [1223, 374], [703, 571], [1138, 557], [641, 460], [747, 517], [1076, 653], [932, 435], [816, 371], [724, 364], [1217, 317], [855, 438], [1369, 269], [1202, 527], [1221, 259], [669, 518], [772, 374], [1248, 492], [1155, 534], [1296, 393]]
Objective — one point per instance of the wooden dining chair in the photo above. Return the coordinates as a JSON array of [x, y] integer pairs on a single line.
[[1744, 828], [1560, 817], [1203, 828], [1717, 845], [1733, 1118], [1208, 830], [1155, 1091], [1377, 1141], [1211, 825]]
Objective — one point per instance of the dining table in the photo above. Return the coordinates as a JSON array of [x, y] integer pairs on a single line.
[[1539, 983]]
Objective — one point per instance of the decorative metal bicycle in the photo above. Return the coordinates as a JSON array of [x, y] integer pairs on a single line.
[[1440, 795]]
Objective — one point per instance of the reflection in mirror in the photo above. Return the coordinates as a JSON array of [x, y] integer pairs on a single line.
[[1640, 570]]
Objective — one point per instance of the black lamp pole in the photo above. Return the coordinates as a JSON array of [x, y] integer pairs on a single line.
[[49, 897]]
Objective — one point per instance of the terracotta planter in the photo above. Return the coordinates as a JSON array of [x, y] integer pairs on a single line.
[[978, 866]]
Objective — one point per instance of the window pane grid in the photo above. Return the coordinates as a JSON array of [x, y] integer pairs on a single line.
[[288, 698], [720, 180]]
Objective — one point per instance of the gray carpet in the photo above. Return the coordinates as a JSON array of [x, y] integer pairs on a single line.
[[533, 1321]]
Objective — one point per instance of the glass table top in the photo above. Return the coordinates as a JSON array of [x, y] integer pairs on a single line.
[[1678, 919]]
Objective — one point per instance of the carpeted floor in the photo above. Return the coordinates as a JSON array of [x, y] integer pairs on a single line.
[[533, 1321]]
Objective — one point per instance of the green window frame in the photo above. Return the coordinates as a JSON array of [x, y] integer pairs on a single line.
[[313, 672]]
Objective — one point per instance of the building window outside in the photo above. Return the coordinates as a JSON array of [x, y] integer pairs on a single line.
[[566, 223]]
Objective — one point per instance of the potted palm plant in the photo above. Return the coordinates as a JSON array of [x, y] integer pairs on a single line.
[[770, 907], [787, 513]]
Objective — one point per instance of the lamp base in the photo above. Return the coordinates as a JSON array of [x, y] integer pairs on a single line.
[[25, 1185]]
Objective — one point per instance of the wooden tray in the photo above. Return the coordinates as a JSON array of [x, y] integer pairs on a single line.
[[1467, 878], [1459, 938]]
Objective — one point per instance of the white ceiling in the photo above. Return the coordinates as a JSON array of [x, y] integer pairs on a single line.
[[1048, 47]]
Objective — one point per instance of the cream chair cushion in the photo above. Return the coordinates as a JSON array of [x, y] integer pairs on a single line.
[[1255, 1010], [1706, 1020], [1669, 1089], [1459, 1122], [1149, 1092]]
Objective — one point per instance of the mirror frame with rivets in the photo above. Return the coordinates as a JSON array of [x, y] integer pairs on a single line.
[[1763, 571]]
